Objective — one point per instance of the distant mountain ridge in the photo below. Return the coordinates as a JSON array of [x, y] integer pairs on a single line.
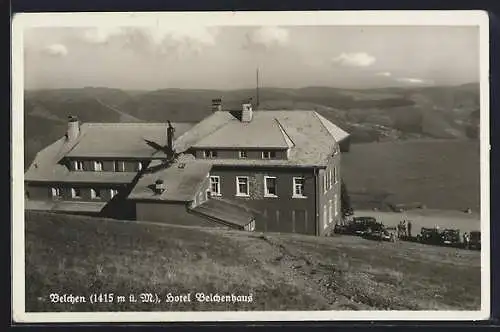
[[393, 113]]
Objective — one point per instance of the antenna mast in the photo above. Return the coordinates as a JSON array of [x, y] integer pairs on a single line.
[[257, 88]]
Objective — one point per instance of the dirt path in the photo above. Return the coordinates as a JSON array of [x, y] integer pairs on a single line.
[[124, 117]]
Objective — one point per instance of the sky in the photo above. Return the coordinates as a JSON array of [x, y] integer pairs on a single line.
[[150, 58]]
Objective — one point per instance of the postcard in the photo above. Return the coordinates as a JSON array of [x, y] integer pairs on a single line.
[[250, 166]]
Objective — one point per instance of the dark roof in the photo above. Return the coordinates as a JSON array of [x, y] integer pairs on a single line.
[[181, 183], [65, 206], [225, 212], [310, 136]]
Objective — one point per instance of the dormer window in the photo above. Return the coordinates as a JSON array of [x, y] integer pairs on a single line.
[[78, 165], [76, 193], [210, 154], [119, 166], [98, 166], [242, 154], [95, 193], [268, 154], [56, 193]]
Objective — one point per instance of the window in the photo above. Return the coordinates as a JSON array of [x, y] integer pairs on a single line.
[[325, 221], [298, 187], [210, 154], [215, 186], [95, 193], [78, 165], [139, 166], [242, 154], [98, 166], [268, 154], [76, 193], [113, 193], [270, 189], [325, 189], [335, 175], [331, 178], [330, 212], [56, 192], [335, 199], [119, 166], [242, 186]]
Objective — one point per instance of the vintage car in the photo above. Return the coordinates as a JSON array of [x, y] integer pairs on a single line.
[[429, 236], [364, 225], [475, 240], [450, 237], [341, 229], [379, 235]]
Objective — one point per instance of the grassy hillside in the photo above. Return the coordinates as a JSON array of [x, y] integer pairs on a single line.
[[82, 256], [440, 174]]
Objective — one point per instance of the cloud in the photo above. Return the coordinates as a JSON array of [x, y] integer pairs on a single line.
[[101, 35], [414, 80], [359, 59], [384, 73], [267, 37], [57, 50], [155, 39]]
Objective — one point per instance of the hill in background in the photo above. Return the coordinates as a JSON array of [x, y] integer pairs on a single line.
[[369, 115]]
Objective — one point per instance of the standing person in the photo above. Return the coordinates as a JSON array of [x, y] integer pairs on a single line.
[[404, 228], [409, 229], [466, 240]]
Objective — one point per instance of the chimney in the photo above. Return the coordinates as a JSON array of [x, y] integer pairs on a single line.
[[216, 105], [170, 137], [246, 112], [159, 187], [73, 128]]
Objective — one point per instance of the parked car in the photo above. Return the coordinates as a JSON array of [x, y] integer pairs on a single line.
[[341, 229], [363, 225], [379, 235], [475, 240], [429, 236], [450, 237]]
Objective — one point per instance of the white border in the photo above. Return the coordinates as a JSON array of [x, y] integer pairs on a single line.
[[311, 18]]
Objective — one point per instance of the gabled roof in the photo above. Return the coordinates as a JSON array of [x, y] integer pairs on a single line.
[[259, 133], [310, 137], [115, 140], [182, 181], [98, 140]]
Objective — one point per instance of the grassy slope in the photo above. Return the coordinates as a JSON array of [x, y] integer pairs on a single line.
[[80, 256]]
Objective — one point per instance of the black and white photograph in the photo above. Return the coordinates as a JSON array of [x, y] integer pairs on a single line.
[[253, 166]]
